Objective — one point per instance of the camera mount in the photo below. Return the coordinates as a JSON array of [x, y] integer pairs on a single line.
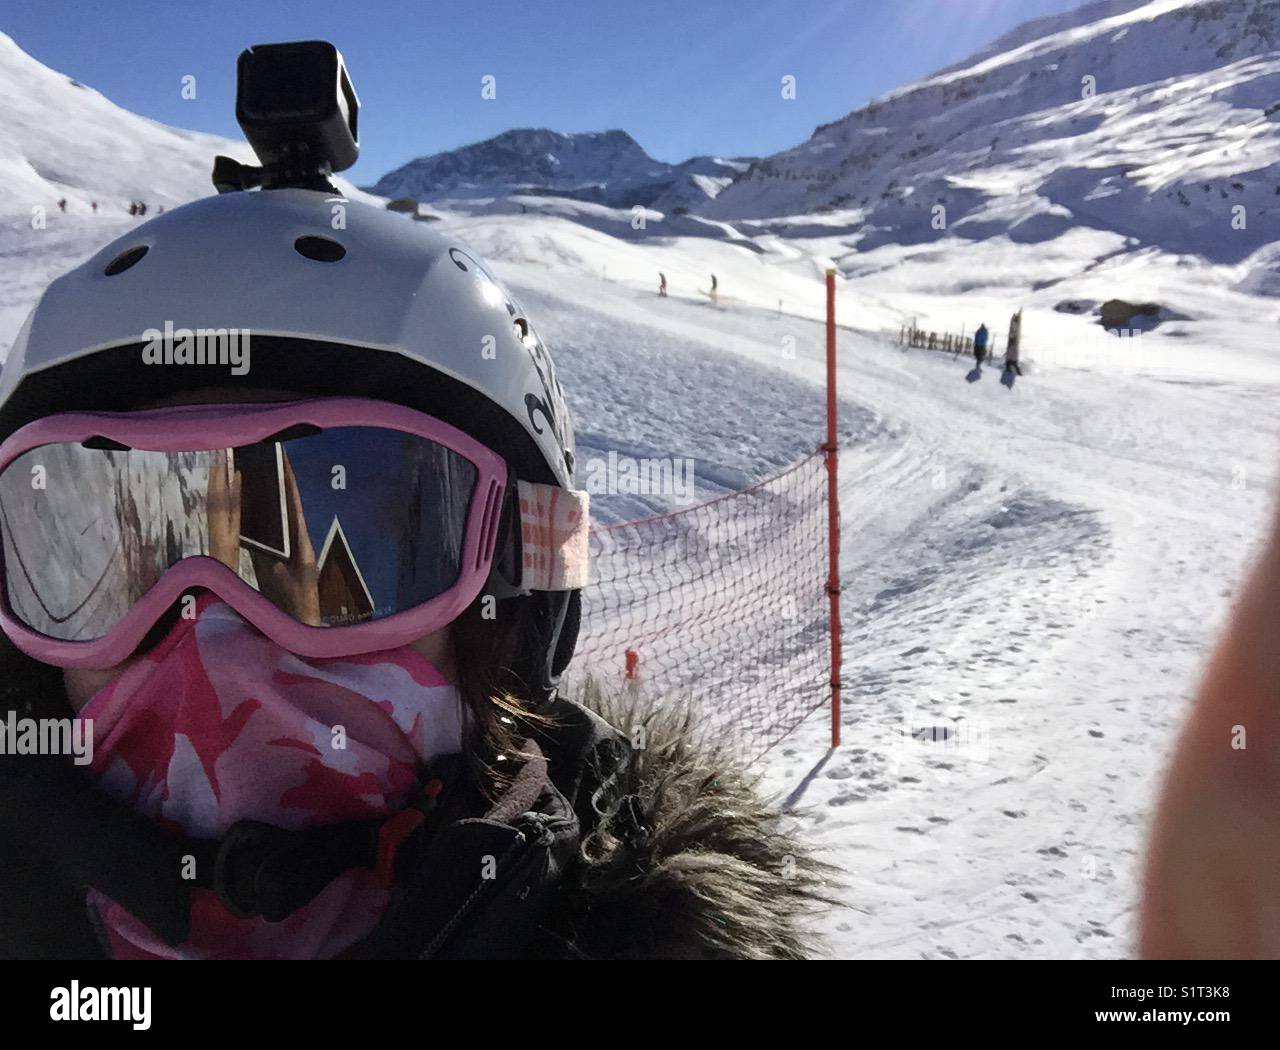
[[297, 108]]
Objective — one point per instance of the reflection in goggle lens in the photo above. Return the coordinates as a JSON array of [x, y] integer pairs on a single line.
[[334, 527]]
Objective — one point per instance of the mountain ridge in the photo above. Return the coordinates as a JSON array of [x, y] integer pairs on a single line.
[[1155, 122], [601, 167]]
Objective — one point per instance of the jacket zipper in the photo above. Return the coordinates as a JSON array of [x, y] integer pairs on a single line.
[[466, 906]]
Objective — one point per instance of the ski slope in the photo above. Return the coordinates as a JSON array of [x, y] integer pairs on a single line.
[[1039, 569]]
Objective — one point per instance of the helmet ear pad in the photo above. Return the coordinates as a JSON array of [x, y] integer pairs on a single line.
[[526, 656], [568, 638], [551, 632], [550, 619]]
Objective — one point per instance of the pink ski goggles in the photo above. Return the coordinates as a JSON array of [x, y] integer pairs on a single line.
[[336, 526]]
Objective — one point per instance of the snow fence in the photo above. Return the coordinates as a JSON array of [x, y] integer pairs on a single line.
[[723, 604]]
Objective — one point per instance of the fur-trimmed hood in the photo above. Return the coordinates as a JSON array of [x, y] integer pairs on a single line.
[[624, 834], [686, 858]]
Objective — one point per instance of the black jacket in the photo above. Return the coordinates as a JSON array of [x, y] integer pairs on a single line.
[[597, 849]]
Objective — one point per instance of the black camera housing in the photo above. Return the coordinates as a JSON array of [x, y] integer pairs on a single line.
[[298, 109]]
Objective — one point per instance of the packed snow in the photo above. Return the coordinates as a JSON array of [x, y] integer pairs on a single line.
[[1033, 573]]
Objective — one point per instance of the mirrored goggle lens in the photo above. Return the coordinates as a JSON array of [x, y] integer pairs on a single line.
[[334, 527]]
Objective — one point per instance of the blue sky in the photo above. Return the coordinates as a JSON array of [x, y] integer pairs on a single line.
[[682, 76]]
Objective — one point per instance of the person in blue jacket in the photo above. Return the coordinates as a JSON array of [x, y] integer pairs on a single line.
[[980, 344]]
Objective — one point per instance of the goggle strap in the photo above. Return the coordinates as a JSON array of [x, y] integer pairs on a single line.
[[554, 527]]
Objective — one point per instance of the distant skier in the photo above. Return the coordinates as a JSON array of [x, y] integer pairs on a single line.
[[1013, 351], [980, 344], [1011, 359], [662, 284], [62, 204], [94, 205], [133, 207], [714, 286], [142, 209]]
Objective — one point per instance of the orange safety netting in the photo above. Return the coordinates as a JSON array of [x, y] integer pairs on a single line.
[[724, 603]]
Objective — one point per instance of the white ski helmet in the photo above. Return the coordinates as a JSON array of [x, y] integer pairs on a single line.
[[301, 271], [339, 298]]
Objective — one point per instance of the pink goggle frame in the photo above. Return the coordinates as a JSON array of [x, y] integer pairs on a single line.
[[210, 427]]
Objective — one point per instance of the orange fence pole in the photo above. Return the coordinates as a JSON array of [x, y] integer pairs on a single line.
[[833, 511]]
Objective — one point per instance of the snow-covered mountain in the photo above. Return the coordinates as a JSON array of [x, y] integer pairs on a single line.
[[606, 167], [697, 181], [1154, 120], [60, 138]]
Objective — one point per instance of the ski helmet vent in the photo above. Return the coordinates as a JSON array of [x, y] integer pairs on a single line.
[[321, 249], [126, 259]]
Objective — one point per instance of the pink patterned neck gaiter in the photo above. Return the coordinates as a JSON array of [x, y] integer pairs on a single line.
[[217, 724]]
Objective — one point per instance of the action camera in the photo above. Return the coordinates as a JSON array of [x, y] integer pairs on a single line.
[[298, 109]]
